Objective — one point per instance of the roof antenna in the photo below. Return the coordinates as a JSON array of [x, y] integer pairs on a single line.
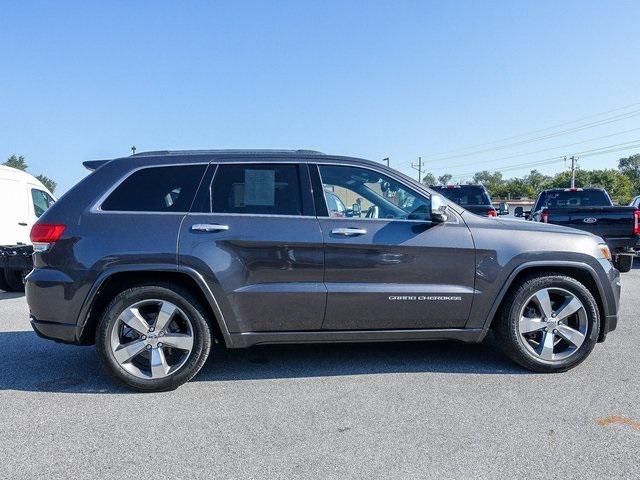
[[133, 150]]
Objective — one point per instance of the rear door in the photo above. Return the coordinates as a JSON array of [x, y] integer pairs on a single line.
[[387, 266], [254, 236]]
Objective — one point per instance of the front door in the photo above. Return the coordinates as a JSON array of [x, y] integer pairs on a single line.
[[254, 235], [387, 266]]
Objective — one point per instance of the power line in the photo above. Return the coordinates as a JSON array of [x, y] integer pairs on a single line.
[[539, 151], [547, 161], [532, 132], [616, 118]]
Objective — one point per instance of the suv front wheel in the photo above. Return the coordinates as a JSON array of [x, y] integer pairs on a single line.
[[153, 337], [550, 323]]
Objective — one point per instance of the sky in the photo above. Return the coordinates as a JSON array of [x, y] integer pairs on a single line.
[[397, 79]]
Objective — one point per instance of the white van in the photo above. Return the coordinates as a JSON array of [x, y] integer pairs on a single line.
[[23, 198]]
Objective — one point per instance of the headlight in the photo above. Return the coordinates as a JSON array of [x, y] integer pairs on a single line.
[[604, 249]]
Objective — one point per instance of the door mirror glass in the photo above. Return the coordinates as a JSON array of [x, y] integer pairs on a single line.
[[503, 208], [518, 212], [438, 209], [356, 209]]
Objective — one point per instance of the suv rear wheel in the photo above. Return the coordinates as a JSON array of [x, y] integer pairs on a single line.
[[550, 323], [153, 337]]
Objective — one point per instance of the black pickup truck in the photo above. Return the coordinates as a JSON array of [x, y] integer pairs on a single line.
[[473, 198], [591, 210]]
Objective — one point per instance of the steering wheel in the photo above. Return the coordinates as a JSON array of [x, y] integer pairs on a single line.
[[372, 212]]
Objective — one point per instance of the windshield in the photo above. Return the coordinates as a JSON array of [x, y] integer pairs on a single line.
[[465, 195], [567, 199]]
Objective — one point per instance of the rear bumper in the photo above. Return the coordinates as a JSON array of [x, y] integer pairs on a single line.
[[59, 332], [16, 257], [621, 244]]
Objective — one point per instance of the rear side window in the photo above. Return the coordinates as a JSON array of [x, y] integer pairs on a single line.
[[569, 199], [465, 195], [157, 189], [267, 189], [41, 201]]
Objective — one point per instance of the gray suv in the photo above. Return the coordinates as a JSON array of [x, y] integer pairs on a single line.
[[159, 256]]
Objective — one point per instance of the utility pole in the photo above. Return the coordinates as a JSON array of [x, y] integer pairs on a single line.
[[133, 150], [574, 165], [418, 167], [386, 160]]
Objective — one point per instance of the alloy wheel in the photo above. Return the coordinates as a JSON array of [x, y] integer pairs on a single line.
[[152, 339], [552, 324]]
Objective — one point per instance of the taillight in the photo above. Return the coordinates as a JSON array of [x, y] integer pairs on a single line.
[[544, 217], [44, 234], [491, 213], [636, 222]]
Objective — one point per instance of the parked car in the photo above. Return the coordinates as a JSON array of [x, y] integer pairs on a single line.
[[156, 257], [473, 198], [591, 210], [23, 198]]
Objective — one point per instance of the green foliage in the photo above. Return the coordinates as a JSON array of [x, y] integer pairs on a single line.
[[490, 180], [622, 183], [429, 179], [15, 161], [444, 179], [630, 167], [47, 182]]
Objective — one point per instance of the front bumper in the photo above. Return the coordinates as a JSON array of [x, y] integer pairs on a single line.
[[611, 301]]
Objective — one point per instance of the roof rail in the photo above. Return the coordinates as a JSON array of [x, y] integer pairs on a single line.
[[226, 151]]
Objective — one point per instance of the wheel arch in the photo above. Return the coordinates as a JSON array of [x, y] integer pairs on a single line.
[[582, 272], [111, 282]]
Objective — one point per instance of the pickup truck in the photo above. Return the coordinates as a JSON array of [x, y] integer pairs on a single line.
[[473, 198], [591, 210]]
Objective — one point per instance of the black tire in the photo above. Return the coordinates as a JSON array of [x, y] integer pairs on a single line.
[[507, 328], [13, 280], [182, 298]]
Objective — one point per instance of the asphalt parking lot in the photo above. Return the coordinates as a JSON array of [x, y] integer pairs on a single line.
[[418, 410]]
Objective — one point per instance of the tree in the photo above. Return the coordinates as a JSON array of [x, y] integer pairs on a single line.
[[15, 161], [444, 179], [429, 179], [47, 182], [536, 180], [630, 167], [490, 180], [619, 186]]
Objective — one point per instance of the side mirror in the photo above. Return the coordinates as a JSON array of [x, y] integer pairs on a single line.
[[438, 209], [356, 208], [518, 212], [503, 208]]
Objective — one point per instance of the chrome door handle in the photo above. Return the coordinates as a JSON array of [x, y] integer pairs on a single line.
[[349, 232], [209, 227]]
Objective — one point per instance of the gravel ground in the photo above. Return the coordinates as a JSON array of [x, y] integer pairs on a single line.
[[417, 410]]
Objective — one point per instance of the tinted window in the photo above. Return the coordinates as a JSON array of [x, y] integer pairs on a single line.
[[157, 189], [41, 201], [267, 189], [368, 194], [465, 195], [567, 199]]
